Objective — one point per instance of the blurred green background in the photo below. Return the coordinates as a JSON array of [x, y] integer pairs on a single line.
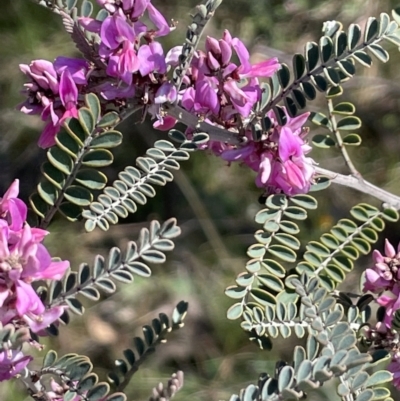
[[214, 204]]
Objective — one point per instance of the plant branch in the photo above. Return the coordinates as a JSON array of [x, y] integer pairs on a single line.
[[389, 199], [192, 121], [354, 172], [194, 33]]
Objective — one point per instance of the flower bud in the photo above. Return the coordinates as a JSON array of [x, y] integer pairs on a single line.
[[212, 46]]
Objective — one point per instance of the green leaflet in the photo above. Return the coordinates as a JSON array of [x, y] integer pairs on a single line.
[[87, 281], [71, 173], [135, 184], [325, 65], [154, 334], [78, 368]]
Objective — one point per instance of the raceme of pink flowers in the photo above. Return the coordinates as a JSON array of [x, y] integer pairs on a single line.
[[23, 260], [383, 279], [278, 158], [221, 86], [53, 92]]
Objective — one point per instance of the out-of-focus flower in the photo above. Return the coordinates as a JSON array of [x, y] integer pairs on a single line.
[[11, 363]]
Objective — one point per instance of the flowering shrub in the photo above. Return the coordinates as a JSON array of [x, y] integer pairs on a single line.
[[232, 109]]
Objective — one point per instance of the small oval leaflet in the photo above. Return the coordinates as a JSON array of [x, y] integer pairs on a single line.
[[47, 192], [91, 179], [108, 120], [366, 395], [286, 378], [299, 65], [347, 342], [282, 252], [349, 123], [333, 317], [353, 36], [49, 359], [380, 377], [236, 292], [78, 195], [86, 9], [86, 120], [296, 213], [110, 139], [271, 282], [235, 311], [98, 392], [98, 158], [139, 268], [60, 160], [263, 297]]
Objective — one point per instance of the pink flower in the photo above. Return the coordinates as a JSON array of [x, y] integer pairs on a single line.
[[391, 301], [53, 93], [279, 158], [385, 274], [117, 39], [151, 59], [11, 363], [13, 209]]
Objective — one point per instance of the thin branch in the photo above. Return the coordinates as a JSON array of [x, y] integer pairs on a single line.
[[339, 141], [194, 33], [192, 121], [389, 199]]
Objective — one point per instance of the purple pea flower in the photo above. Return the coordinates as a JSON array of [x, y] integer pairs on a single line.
[[151, 59], [11, 363]]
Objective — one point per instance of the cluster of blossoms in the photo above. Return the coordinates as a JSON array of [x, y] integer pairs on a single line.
[[53, 92], [384, 279], [279, 157], [220, 86], [23, 260], [55, 89]]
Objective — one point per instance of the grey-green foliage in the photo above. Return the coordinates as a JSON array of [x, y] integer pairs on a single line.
[[70, 11], [75, 371], [154, 335], [12, 337], [75, 8], [327, 64], [263, 281], [135, 184], [331, 351], [264, 293], [150, 248], [71, 172], [347, 122], [200, 18]]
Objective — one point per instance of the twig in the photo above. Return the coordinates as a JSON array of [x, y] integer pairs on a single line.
[[192, 121], [204, 12], [339, 141], [389, 199]]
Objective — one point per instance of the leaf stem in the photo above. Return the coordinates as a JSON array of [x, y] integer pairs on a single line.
[[339, 141]]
